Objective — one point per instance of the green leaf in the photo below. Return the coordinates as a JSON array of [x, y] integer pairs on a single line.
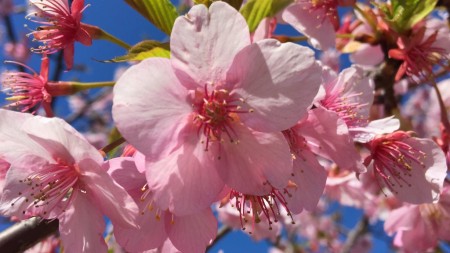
[[143, 50], [404, 14], [162, 13], [256, 10], [423, 8], [278, 5]]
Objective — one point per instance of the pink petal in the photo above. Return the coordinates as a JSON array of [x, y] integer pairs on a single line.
[[185, 181], [83, 37], [150, 107], [330, 134], [139, 159], [203, 44], [278, 82], [403, 218], [15, 143], [81, 227], [355, 90], [123, 170], [77, 6], [265, 29], [151, 233], [248, 163], [312, 24], [368, 55], [107, 195], [426, 180], [68, 55], [376, 127], [191, 234], [310, 178], [14, 193], [60, 140], [41, 4], [125, 173], [420, 239]]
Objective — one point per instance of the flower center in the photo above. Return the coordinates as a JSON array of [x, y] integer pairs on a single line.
[[394, 160], [345, 106], [57, 26], [268, 205], [49, 186], [215, 113], [26, 90]]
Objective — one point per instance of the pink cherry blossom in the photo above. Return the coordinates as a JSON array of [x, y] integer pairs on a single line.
[[56, 174], [427, 46], [60, 26], [29, 91], [327, 135], [419, 227], [350, 95], [197, 116], [190, 234], [413, 169]]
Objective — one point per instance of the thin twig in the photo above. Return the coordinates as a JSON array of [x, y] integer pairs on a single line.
[[76, 115], [359, 230], [222, 233], [106, 149], [12, 36]]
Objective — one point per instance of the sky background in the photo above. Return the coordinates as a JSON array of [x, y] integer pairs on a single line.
[[117, 18]]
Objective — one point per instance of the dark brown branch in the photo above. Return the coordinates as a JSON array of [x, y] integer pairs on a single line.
[[27, 233]]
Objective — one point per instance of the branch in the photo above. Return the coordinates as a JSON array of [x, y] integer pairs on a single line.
[[222, 233], [359, 230], [27, 233]]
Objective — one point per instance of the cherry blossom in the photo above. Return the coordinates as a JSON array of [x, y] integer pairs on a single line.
[[60, 26], [56, 174], [350, 95], [413, 169], [30, 91], [190, 233], [427, 46], [203, 109], [419, 227]]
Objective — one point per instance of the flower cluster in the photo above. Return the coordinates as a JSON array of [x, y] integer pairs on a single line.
[[231, 122]]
